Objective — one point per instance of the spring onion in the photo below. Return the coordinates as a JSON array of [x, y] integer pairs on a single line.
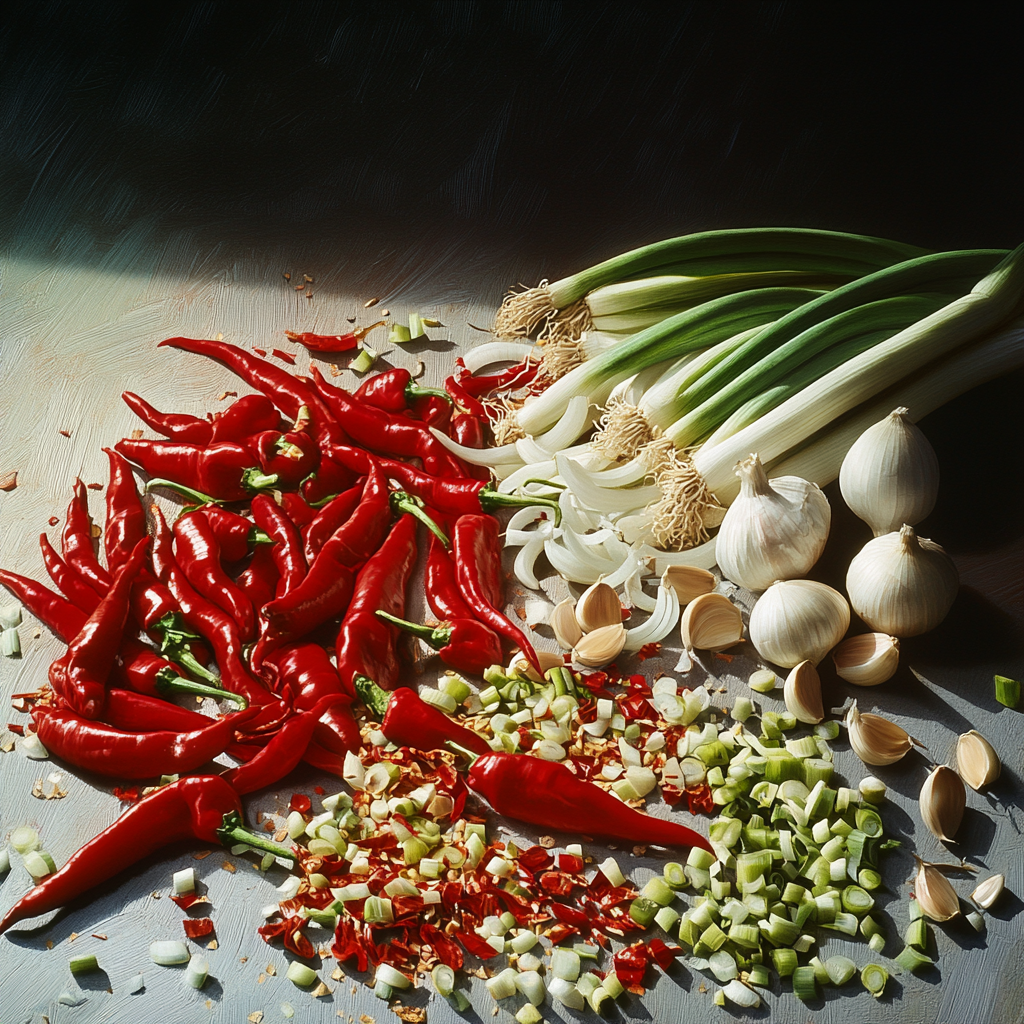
[[169, 952], [197, 972], [83, 964], [531, 985], [1007, 691], [389, 975]]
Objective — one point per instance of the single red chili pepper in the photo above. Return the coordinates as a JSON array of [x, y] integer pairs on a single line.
[[464, 644], [107, 751], [433, 411], [131, 711], [288, 393], [216, 626], [145, 672], [224, 471], [55, 612], [68, 582], [478, 570], [384, 433], [471, 432], [177, 426], [76, 542], [302, 673], [449, 496], [333, 342], [514, 377], [298, 510], [367, 646], [289, 457], [463, 399], [409, 721], [243, 418], [80, 676], [287, 549], [125, 525], [202, 807], [329, 480], [546, 793], [329, 518], [198, 554], [395, 391], [440, 585], [258, 581], [284, 751]]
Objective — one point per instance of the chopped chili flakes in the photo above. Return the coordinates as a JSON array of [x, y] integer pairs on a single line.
[[64, 433], [53, 520], [197, 927], [129, 795], [300, 802], [651, 650]]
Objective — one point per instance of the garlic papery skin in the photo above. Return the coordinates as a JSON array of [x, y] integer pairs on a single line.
[[798, 620], [867, 659], [976, 760], [890, 475], [598, 606], [711, 622], [774, 530], [934, 893], [564, 624], [943, 799], [989, 891], [902, 584], [802, 694], [876, 740]]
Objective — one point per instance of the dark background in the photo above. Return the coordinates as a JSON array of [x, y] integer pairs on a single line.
[[486, 142]]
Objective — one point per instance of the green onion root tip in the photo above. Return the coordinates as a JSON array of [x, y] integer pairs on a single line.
[[688, 509], [623, 430], [521, 313]]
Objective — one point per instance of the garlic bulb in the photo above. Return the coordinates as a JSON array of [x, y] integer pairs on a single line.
[[943, 799], [600, 646], [932, 889], [598, 606], [890, 475], [775, 530], [711, 622], [976, 760], [902, 584], [876, 740], [802, 694], [798, 620], [867, 659]]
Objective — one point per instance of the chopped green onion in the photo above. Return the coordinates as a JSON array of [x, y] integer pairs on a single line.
[[805, 984], [399, 334], [762, 681], [785, 961], [366, 358], [873, 978], [917, 934], [169, 952], [871, 789], [911, 959], [643, 910], [659, 891], [565, 964], [840, 969], [503, 985], [566, 993], [197, 971], [83, 964], [976, 920], [382, 990], [1007, 691], [391, 976], [10, 643], [528, 1013], [38, 863]]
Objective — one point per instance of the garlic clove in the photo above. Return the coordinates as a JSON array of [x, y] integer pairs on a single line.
[[890, 475], [989, 891], [547, 659], [798, 620], [867, 659], [711, 622], [802, 694], [874, 739], [563, 622], [943, 799], [902, 584], [976, 760], [689, 582], [598, 606], [934, 893], [600, 646]]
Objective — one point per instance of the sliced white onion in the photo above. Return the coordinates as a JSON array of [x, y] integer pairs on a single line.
[[629, 473], [659, 624], [492, 352], [638, 597], [532, 515], [568, 564], [504, 455], [169, 952], [604, 499], [574, 516], [575, 420], [529, 452], [526, 558], [703, 557], [533, 471]]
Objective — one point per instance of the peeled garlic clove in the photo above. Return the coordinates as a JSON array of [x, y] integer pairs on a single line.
[[798, 620], [934, 893], [867, 659], [989, 891], [547, 659], [890, 475], [598, 606], [600, 646], [689, 582], [902, 584], [876, 740], [976, 761], [773, 530], [943, 799], [711, 622], [563, 622], [802, 694]]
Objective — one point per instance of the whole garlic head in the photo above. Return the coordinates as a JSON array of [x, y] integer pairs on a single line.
[[774, 530], [798, 620]]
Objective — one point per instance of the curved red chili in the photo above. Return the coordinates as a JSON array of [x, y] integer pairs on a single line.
[[471, 432], [243, 418], [333, 342], [289, 457], [463, 399], [145, 672], [329, 480], [235, 534], [53, 611], [258, 581], [440, 585], [174, 425], [514, 377], [67, 581], [329, 518], [125, 524], [395, 391], [202, 807], [287, 549], [76, 542]]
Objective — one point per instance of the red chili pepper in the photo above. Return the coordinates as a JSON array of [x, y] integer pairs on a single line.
[[202, 807], [478, 570], [288, 393], [395, 391], [80, 676], [284, 751], [329, 480], [290, 457], [433, 411], [76, 542], [471, 432], [234, 534], [329, 518], [260, 578], [464, 644], [384, 433], [175, 425], [198, 554], [409, 721], [55, 612], [287, 549], [223, 471], [139, 713], [546, 793], [440, 585], [366, 646], [68, 582], [333, 342], [107, 751], [244, 418], [145, 672], [126, 519], [463, 399]]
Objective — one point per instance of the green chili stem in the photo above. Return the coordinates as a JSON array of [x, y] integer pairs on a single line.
[[185, 492], [233, 831], [424, 632], [168, 681], [403, 502]]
